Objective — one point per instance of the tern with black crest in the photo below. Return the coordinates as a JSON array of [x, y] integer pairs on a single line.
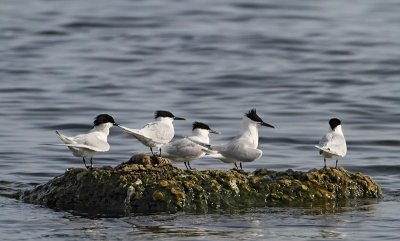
[[242, 148], [157, 133], [185, 150], [333, 145], [87, 145]]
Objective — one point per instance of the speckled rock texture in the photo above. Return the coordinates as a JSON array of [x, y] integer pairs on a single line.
[[148, 184]]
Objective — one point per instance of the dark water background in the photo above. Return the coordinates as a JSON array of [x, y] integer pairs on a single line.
[[298, 62]]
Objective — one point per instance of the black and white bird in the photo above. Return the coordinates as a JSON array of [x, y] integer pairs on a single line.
[[333, 145], [242, 148], [185, 150], [157, 133], [87, 145]]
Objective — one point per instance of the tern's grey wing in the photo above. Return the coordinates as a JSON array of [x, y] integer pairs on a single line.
[[183, 150], [235, 151]]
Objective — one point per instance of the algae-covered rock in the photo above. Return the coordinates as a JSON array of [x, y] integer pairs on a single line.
[[148, 184]]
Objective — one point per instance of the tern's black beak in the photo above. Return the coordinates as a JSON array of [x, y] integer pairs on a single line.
[[179, 118], [266, 124], [115, 124], [215, 132]]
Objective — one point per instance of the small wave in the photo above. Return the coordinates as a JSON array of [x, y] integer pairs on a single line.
[[21, 90], [378, 169], [52, 33]]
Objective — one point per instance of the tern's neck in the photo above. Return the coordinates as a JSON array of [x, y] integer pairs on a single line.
[[103, 128], [202, 135], [166, 120], [338, 130], [250, 131]]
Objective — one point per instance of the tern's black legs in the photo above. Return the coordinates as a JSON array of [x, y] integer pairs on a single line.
[[324, 163], [154, 154], [240, 165], [84, 163], [336, 163], [187, 165]]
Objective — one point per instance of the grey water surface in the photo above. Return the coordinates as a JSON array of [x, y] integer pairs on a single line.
[[298, 62]]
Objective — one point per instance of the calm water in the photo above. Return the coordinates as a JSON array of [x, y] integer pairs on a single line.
[[298, 62]]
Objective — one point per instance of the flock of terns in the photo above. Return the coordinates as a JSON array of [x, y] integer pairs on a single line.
[[159, 134]]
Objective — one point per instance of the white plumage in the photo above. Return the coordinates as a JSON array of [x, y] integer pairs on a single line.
[[184, 150], [87, 145], [333, 144], [157, 133], [242, 148]]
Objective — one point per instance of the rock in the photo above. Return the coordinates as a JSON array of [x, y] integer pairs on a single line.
[[148, 184]]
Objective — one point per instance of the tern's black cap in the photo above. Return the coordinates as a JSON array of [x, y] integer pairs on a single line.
[[163, 113], [252, 114], [103, 118], [200, 125], [334, 122]]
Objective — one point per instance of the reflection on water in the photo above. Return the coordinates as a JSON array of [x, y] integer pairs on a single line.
[[254, 223]]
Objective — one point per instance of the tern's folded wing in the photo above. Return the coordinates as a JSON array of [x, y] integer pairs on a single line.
[[91, 148], [136, 134], [334, 144], [326, 149], [129, 130], [183, 148], [205, 145], [64, 138]]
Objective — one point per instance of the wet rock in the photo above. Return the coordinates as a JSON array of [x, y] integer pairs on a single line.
[[148, 184]]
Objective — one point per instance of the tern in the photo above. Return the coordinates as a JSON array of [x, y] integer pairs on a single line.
[[185, 150], [87, 145], [333, 145], [242, 148], [157, 133]]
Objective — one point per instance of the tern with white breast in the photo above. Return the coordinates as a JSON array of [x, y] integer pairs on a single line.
[[185, 150], [87, 145], [333, 145], [157, 133], [242, 148]]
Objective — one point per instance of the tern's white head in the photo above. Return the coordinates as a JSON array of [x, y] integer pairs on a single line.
[[202, 130], [336, 125], [252, 119], [162, 115], [104, 122]]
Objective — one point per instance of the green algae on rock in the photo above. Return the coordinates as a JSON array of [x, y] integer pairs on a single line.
[[148, 184]]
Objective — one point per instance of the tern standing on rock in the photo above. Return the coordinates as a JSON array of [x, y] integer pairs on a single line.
[[185, 150], [333, 145], [87, 145], [157, 133], [243, 148]]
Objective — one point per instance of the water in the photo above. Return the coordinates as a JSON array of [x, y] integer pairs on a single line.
[[298, 63]]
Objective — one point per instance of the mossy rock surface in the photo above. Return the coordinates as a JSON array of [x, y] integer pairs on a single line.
[[149, 184]]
